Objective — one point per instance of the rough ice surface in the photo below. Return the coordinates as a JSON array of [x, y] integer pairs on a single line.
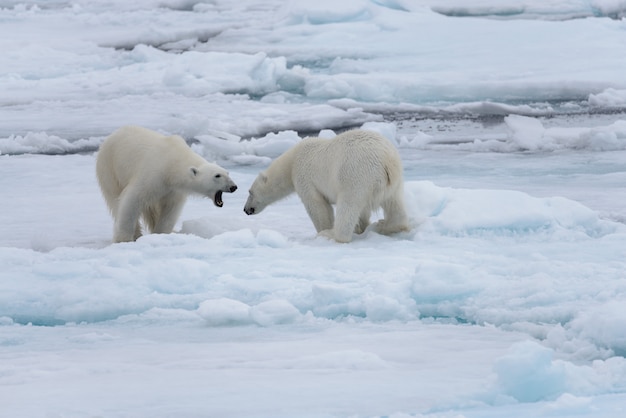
[[506, 298]]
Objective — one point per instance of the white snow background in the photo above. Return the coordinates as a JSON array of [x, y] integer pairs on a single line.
[[507, 298]]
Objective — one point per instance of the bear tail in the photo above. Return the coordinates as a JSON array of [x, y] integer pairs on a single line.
[[393, 169], [388, 176]]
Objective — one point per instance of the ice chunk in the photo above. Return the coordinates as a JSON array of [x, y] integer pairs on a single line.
[[273, 312], [528, 374], [224, 311]]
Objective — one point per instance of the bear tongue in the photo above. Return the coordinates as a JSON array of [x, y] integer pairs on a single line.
[[217, 199]]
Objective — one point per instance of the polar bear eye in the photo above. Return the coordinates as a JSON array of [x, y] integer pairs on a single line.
[[217, 176]]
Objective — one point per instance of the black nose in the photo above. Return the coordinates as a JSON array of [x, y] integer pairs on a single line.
[[233, 188], [249, 211]]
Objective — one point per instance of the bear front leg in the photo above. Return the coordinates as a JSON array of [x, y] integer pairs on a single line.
[[170, 209], [127, 226], [137, 231], [319, 210], [364, 221]]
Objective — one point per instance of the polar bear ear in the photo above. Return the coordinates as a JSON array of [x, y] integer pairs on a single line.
[[263, 177], [193, 171]]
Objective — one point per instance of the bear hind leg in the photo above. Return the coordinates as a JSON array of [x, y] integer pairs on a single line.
[[348, 219], [127, 227], [395, 217]]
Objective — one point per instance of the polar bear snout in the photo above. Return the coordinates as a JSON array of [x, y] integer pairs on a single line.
[[232, 189], [252, 206]]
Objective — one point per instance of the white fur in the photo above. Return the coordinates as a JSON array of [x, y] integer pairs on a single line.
[[145, 174], [358, 171]]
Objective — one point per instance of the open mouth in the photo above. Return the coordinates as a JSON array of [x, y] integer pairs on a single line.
[[217, 199]]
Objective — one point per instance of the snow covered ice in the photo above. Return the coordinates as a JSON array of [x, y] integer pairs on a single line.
[[507, 297]]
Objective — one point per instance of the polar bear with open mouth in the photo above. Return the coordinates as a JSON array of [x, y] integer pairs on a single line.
[[144, 174]]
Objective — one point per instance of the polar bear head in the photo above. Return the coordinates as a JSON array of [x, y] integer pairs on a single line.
[[259, 195], [272, 184], [211, 180], [269, 187]]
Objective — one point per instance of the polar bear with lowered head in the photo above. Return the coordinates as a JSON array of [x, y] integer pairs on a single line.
[[144, 174], [358, 171]]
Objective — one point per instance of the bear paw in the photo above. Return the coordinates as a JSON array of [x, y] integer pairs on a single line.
[[387, 228], [330, 234], [327, 233]]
